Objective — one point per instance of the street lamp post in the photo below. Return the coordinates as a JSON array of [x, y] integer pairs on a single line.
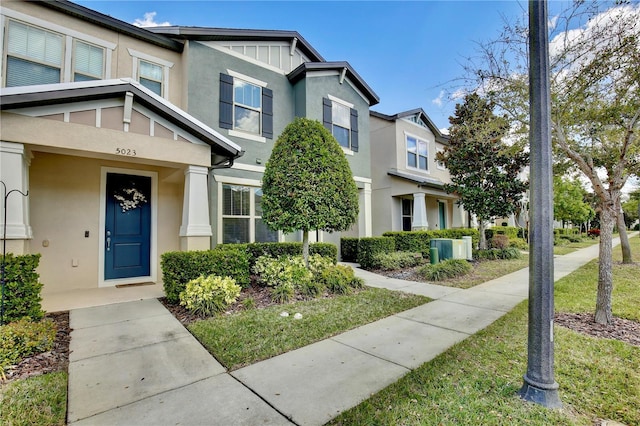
[[539, 383]]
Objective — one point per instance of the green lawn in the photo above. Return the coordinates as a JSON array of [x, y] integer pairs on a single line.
[[570, 247], [40, 400], [487, 270], [476, 381], [254, 335]]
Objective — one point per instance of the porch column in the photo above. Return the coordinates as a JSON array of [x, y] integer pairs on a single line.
[[364, 217], [195, 231], [14, 172], [458, 216], [419, 212]]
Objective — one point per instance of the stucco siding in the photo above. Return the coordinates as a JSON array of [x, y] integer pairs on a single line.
[[65, 203]]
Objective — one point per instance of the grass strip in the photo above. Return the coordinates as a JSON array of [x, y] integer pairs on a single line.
[[39, 400], [476, 381], [247, 337]]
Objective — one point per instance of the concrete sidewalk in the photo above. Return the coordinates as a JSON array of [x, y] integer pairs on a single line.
[[134, 363]]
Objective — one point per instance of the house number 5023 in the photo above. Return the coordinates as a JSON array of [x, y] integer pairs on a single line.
[[126, 151]]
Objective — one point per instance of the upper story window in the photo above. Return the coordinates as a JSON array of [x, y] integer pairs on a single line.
[[89, 62], [417, 156], [151, 72], [37, 51], [34, 55], [151, 76], [341, 118], [246, 107]]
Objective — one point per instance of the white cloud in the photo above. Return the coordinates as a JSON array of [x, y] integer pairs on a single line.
[[444, 131], [438, 101], [149, 21]]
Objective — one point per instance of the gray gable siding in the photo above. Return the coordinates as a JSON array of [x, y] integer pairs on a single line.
[[204, 69], [318, 88]]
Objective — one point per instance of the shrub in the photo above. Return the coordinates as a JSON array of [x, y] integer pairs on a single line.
[[285, 275], [449, 268], [318, 263], [509, 231], [593, 233], [349, 249], [396, 260], [208, 295], [24, 338], [418, 241], [369, 247], [340, 279], [518, 243], [499, 241], [282, 292], [22, 288], [495, 254], [275, 250], [178, 268]]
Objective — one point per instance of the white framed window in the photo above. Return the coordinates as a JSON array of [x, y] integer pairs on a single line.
[[151, 75], [151, 72], [89, 62], [34, 55], [341, 119], [242, 216], [417, 153], [247, 106]]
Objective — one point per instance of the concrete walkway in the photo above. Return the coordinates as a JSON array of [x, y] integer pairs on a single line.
[[135, 364]]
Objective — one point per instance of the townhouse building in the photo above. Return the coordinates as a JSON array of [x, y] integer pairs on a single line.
[[131, 142]]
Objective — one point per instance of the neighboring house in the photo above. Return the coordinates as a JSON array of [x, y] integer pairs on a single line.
[[248, 85], [407, 188], [132, 143]]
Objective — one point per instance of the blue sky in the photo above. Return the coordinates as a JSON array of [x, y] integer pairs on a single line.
[[409, 52]]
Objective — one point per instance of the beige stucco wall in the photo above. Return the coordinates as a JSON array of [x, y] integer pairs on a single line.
[[122, 61], [65, 202]]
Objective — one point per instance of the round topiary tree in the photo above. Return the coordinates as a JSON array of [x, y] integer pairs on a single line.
[[307, 183]]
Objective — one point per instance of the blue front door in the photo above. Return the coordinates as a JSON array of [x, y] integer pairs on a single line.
[[127, 226]]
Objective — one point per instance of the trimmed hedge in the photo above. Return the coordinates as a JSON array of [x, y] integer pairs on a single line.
[[494, 254], [276, 250], [509, 231], [180, 267], [566, 231], [418, 241], [349, 249], [22, 288], [369, 247]]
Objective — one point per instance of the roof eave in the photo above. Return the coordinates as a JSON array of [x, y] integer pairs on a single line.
[[114, 24]]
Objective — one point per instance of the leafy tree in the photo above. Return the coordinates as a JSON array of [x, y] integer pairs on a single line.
[[484, 171], [595, 104], [568, 202], [308, 184], [631, 207]]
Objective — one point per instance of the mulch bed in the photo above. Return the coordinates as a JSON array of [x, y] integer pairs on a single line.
[[622, 329], [54, 360]]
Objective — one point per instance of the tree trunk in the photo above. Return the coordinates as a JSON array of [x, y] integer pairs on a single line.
[[305, 247], [604, 313], [482, 245], [624, 238]]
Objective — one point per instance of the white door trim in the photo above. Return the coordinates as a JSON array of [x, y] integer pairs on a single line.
[[153, 264]]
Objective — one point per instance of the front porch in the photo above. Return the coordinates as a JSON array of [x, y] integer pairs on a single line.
[[88, 297]]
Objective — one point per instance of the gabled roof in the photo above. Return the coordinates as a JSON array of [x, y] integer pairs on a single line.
[[117, 25], [340, 66], [423, 115], [232, 34], [50, 94]]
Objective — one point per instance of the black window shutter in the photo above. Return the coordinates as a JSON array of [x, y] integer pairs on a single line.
[[326, 113], [226, 101], [267, 113], [354, 130]]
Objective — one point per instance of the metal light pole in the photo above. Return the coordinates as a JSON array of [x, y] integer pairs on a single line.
[[539, 384]]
